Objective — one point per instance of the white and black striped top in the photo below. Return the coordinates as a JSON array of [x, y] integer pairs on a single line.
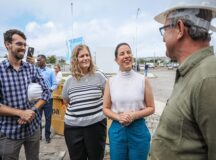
[[85, 99]]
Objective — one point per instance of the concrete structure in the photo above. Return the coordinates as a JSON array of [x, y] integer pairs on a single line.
[[105, 59]]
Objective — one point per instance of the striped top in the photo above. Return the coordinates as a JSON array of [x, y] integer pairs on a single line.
[[85, 97]]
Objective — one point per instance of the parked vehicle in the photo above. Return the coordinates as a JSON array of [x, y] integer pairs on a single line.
[[151, 65]]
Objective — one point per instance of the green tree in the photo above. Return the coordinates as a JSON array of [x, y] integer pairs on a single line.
[[51, 59], [173, 61], [142, 61], [62, 62], [5, 56]]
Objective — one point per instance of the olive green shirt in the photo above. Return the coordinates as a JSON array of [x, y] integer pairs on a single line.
[[187, 127]]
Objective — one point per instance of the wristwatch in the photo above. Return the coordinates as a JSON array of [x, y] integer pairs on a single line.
[[34, 109]]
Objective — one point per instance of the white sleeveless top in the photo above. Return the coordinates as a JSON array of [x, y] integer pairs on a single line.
[[127, 91]]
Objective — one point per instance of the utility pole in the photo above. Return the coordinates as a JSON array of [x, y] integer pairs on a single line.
[[72, 18], [72, 35], [95, 58], [137, 14]]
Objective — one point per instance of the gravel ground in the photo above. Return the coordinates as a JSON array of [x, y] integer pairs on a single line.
[[162, 85]]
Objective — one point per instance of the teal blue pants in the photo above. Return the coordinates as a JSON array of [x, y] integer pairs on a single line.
[[131, 142]]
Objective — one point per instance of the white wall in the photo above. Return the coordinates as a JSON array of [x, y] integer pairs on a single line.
[[105, 59]]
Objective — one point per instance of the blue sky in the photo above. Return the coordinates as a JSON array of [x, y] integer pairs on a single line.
[[49, 24]]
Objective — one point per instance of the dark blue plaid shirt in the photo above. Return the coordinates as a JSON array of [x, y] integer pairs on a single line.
[[13, 93]]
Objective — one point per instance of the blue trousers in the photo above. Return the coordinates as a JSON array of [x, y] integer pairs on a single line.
[[48, 109], [129, 142], [146, 72]]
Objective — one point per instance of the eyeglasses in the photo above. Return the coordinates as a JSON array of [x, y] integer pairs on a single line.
[[20, 44], [163, 29]]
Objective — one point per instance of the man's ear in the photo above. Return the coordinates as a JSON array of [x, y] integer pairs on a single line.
[[7, 45], [181, 29]]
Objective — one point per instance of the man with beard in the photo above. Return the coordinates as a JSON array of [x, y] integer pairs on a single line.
[[19, 119]]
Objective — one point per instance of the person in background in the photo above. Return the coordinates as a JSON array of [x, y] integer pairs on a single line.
[[146, 69], [85, 123], [128, 98], [19, 119], [49, 77], [58, 73], [187, 125]]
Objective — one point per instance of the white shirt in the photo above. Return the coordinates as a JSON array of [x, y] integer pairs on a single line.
[[127, 91], [58, 77]]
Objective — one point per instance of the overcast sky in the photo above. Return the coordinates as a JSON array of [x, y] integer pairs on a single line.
[[48, 24]]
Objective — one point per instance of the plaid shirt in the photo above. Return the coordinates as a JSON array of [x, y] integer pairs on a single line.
[[13, 93]]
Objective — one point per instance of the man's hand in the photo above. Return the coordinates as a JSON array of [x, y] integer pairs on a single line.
[[26, 116], [30, 60], [21, 122]]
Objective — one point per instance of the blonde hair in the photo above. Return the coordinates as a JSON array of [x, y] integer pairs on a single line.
[[75, 68]]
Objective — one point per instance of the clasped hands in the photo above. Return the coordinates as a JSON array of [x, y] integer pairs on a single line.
[[126, 118], [26, 116]]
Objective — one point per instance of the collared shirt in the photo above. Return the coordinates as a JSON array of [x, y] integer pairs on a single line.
[[187, 125], [13, 93], [49, 76]]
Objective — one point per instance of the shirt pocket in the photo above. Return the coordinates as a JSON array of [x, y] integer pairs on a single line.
[[171, 126], [161, 150]]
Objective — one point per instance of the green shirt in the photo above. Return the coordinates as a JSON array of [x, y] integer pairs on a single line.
[[187, 127]]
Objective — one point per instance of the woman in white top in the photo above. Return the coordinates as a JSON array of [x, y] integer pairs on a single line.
[[128, 98], [58, 73]]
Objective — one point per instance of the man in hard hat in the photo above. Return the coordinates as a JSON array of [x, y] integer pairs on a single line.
[[187, 129]]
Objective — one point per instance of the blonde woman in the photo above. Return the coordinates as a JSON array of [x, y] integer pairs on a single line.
[[85, 123]]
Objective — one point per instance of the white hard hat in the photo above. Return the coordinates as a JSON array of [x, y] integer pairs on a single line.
[[34, 92], [188, 4]]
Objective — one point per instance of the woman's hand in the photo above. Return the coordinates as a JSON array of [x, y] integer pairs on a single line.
[[126, 118]]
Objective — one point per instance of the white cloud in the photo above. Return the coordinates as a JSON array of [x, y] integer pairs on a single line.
[[101, 23], [30, 27], [50, 37]]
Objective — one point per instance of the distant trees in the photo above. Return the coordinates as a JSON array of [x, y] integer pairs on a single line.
[[155, 60], [142, 61], [51, 59], [62, 62]]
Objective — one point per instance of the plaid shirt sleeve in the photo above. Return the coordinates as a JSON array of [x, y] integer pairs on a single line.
[[13, 93]]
